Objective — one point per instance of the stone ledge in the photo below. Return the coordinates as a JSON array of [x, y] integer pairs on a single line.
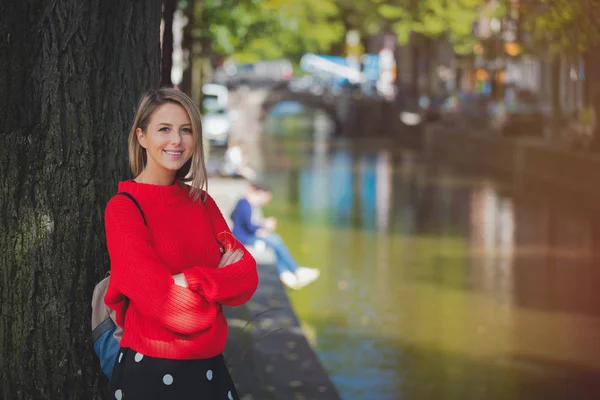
[[267, 350]]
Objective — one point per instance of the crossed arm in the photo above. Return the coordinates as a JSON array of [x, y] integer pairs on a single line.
[[140, 276]]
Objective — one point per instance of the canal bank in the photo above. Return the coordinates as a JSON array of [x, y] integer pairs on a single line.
[[526, 163], [438, 281], [437, 284], [267, 352]]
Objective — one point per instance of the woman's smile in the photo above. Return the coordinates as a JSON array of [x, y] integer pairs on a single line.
[[175, 154]]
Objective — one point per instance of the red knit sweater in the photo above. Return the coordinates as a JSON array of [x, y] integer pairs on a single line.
[[161, 319]]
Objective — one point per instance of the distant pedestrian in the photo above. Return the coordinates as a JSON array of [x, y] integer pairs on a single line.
[[250, 227]]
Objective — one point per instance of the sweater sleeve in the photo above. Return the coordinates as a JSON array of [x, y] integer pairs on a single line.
[[139, 276], [232, 285], [242, 216]]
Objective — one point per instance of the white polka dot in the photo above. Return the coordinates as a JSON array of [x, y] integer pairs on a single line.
[[229, 395], [168, 379], [119, 394], [209, 374], [138, 357], [120, 357]]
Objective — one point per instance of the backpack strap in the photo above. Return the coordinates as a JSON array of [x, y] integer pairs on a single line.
[[101, 314], [100, 290], [212, 228], [101, 329], [128, 195]]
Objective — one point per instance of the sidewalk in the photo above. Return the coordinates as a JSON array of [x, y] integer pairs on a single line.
[[267, 352]]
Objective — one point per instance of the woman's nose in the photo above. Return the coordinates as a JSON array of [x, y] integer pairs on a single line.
[[175, 137]]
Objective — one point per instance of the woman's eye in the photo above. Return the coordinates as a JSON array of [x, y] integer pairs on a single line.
[[164, 129], [187, 130]]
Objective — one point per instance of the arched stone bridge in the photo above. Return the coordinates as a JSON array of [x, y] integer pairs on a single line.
[[333, 106]]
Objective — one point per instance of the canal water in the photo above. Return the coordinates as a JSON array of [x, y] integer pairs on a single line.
[[434, 284]]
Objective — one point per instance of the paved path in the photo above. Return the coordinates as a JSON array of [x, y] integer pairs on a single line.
[[267, 351]]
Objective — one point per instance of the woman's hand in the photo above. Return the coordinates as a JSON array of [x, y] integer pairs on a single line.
[[231, 257]]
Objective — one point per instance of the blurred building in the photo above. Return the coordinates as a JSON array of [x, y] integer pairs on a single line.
[[564, 83]]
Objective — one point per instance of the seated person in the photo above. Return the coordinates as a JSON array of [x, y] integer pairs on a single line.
[[248, 230]]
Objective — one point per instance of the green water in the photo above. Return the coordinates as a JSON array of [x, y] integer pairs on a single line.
[[434, 284]]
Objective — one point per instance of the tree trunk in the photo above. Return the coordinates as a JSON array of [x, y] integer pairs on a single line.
[[555, 69], [588, 86], [167, 43], [458, 78], [592, 77], [187, 44], [416, 58], [204, 65], [71, 73], [426, 63]]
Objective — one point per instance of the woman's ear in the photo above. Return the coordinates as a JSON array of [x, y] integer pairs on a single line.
[[141, 136]]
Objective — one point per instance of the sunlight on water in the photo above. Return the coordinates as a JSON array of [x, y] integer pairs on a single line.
[[438, 286]]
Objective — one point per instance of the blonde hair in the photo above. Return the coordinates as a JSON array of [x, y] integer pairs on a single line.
[[194, 171]]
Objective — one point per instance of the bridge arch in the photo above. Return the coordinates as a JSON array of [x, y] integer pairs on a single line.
[[309, 100]]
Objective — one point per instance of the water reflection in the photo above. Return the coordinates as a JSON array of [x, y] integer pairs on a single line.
[[331, 190], [383, 195], [438, 286]]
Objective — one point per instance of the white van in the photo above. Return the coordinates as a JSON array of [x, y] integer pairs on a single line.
[[216, 124]]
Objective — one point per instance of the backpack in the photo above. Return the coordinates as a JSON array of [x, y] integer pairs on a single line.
[[106, 334]]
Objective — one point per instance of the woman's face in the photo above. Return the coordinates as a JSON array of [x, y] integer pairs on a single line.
[[168, 139]]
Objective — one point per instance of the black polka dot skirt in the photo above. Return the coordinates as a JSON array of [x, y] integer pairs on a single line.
[[139, 377]]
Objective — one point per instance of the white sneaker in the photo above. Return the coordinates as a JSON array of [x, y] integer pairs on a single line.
[[288, 279], [309, 272], [306, 275]]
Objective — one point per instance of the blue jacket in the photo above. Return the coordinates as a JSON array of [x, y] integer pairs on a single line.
[[243, 228]]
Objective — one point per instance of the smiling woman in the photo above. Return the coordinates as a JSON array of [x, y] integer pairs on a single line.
[[168, 141], [170, 276], [166, 137]]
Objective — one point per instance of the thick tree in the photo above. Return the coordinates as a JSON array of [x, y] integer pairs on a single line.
[[562, 26], [169, 8], [423, 22], [71, 73]]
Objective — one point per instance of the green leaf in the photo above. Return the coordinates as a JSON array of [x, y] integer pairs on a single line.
[[390, 12]]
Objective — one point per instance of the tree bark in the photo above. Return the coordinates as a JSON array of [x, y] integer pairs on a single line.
[[167, 43], [555, 69], [198, 44], [415, 43], [187, 44], [71, 73]]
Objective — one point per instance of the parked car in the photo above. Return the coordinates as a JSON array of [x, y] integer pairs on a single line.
[[215, 97], [261, 73], [466, 110], [431, 107], [216, 127], [216, 122], [520, 116]]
